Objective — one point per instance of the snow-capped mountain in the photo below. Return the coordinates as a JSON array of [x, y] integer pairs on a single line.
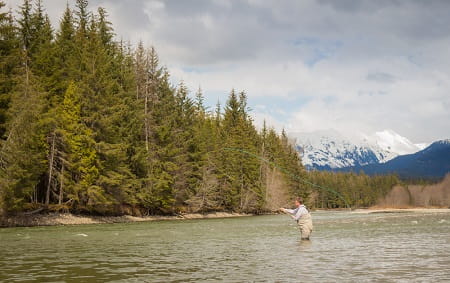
[[433, 162], [393, 142], [325, 150]]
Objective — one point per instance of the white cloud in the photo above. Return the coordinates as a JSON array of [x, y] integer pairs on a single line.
[[315, 64]]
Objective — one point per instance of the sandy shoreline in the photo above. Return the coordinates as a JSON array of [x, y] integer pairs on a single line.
[[54, 219], [400, 210]]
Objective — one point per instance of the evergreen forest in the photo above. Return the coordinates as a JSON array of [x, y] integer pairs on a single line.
[[89, 124]]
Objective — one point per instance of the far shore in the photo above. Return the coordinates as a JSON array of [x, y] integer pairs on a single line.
[[55, 219], [376, 209], [399, 210]]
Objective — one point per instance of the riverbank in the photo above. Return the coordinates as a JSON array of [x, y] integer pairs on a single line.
[[400, 210], [55, 219]]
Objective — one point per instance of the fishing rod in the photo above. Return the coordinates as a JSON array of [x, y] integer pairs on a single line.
[[296, 177]]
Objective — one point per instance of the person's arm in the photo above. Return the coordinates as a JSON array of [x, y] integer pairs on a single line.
[[291, 211]]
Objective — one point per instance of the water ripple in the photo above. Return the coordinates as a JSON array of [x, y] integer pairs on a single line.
[[344, 247]]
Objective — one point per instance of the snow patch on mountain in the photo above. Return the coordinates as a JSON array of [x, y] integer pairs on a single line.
[[329, 149], [393, 142], [423, 145]]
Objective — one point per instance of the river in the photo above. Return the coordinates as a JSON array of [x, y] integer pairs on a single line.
[[345, 246]]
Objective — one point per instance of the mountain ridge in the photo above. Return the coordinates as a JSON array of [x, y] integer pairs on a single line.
[[329, 149], [432, 162]]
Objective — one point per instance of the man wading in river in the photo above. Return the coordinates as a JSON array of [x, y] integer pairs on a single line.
[[302, 216]]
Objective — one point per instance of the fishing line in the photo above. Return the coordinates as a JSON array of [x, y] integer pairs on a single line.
[[296, 177]]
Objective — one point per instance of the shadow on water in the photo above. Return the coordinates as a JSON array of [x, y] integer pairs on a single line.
[[304, 245]]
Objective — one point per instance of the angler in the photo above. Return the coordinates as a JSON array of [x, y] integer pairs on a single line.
[[302, 216]]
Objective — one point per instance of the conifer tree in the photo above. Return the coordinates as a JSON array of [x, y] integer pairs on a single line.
[[163, 149], [82, 17], [40, 29], [22, 154], [203, 153], [9, 62], [82, 155], [104, 28], [240, 172], [64, 57], [25, 26], [183, 138], [42, 50]]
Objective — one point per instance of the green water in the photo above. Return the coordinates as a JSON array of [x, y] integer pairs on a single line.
[[345, 247]]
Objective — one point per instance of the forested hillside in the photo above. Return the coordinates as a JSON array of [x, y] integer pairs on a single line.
[[92, 125], [89, 124]]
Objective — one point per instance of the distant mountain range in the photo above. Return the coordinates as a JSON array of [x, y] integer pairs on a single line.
[[432, 162], [380, 153], [326, 150]]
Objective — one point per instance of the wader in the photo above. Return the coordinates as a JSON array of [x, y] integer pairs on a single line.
[[305, 225]]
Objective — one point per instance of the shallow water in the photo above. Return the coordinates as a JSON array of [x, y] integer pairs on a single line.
[[344, 247]]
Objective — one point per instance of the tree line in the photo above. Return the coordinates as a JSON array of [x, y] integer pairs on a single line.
[[349, 190], [89, 124]]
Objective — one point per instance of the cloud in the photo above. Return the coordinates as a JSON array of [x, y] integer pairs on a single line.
[[314, 64], [380, 77]]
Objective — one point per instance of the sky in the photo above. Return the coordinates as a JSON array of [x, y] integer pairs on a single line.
[[353, 66]]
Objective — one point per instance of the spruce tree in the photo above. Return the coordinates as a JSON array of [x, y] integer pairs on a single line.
[[163, 147], [104, 28], [9, 62], [83, 15], [240, 171], [82, 155], [25, 25], [23, 153], [43, 50], [64, 57]]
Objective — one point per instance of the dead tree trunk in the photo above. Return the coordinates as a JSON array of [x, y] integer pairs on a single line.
[[50, 170], [146, 119], [61, 185]]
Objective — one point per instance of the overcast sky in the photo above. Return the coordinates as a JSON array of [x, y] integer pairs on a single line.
[[353, 66]]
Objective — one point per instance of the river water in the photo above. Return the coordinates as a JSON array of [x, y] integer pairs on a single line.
[[345, 246]]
